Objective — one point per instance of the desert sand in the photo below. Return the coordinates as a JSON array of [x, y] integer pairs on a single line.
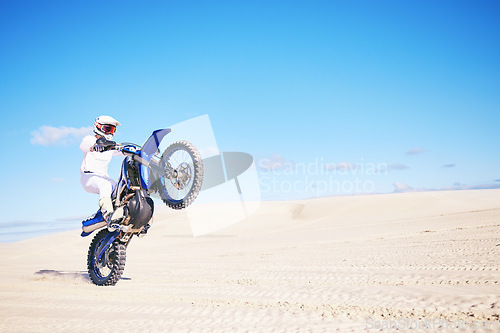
[[359, 263]]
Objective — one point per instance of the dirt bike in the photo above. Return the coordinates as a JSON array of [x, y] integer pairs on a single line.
[[176, 176]]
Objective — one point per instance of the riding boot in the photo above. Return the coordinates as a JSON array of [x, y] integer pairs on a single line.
[[106, 208]]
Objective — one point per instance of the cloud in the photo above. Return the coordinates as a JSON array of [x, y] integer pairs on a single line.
[[342, 166], [460, 186], [457, 186], [497, 180], [415, 151], [451, 165], [397, 166], [384, 167], [480, 187], [52, 136], [402, 188]]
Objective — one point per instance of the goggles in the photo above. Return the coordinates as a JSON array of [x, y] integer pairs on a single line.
[[106, 129]]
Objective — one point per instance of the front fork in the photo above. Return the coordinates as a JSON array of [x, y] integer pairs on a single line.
[[106, 243], [168, 172]]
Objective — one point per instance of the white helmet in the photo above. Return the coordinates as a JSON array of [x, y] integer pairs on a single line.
[[105, 126]]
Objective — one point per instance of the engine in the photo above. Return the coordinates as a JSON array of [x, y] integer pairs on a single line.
[[140, 209]]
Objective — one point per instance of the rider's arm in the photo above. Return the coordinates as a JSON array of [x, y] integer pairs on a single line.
[[87, 143]]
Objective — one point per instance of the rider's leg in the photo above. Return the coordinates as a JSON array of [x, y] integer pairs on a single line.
[[105, 202], [104, 187], [106, 207]]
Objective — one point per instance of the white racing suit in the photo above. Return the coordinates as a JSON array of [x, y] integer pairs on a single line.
[[94, 173]]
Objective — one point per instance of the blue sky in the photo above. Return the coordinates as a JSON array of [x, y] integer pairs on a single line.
[[340, 84]]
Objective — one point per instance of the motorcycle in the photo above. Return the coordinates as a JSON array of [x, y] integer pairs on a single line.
[[176, 176]]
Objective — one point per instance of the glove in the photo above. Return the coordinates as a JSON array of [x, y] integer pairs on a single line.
[[98, 148]]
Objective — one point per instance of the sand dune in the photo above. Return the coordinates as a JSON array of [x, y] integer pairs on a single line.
[[332, 264]]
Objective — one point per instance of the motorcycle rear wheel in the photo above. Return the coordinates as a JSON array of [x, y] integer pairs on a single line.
[[108, 270]]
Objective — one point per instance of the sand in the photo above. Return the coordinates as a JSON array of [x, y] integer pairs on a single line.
[[360, 263]]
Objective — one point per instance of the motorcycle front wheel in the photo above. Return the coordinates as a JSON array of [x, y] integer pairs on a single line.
[[183, 163], [107, 270]]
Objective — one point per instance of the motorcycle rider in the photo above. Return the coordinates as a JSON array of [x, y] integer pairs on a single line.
[[94, 169]]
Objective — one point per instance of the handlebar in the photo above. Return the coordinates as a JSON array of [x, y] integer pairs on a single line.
[[129, 149]]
